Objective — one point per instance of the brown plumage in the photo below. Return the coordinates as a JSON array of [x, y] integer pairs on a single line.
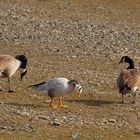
[[9, 65], [129, 79]]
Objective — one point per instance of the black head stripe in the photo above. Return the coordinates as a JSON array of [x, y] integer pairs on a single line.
[[80, 89], [78, 86], [73, 81]]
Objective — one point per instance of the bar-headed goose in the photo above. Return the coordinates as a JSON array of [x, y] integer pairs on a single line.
[[58, 87], [129, 79], [9, 65]]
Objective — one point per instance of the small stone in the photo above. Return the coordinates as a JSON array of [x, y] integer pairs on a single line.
[[23, 113], [43, 117], [47, 101], [131, 110], [112, 120], [3, 127], [56, 122], [64, 117], [75, 135], [74, 56], [105, 121]]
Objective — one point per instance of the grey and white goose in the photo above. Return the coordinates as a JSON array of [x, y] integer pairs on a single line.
[[128, 81], [9, 65], [58, 87]]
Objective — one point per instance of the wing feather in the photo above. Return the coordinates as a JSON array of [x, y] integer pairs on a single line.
[[131, 78], [5, 60], [55, 83]]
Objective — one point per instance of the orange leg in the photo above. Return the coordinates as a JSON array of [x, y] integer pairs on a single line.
[[51, 103], [60, 103]]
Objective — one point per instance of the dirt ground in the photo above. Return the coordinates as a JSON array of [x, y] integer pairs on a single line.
[[57, 38]]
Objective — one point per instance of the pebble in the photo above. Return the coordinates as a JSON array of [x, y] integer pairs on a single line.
[[47, 101], [75, 135], [105, 121], [64, 117], [42, 117], [24, 113], [112, 120], [3, 127], [56, 122]]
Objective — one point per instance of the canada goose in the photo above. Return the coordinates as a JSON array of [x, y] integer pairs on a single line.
[[129, 79], [58, 87], [9, 65]]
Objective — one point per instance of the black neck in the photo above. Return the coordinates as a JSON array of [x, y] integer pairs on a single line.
[[131, 64], [23, 60], [23, 65]]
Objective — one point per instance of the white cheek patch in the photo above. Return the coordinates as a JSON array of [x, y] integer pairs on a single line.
[[123, 61], [22, 70]]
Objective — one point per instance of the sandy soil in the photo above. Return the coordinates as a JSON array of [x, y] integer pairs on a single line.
[[77, 39]]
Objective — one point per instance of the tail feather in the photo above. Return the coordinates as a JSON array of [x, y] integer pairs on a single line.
[[36, 85], [31, 86]]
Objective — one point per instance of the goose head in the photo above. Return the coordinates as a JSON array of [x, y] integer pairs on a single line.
[[127, 59], [22, 68]]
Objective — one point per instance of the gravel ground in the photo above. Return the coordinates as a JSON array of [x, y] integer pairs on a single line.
[[80, 39]]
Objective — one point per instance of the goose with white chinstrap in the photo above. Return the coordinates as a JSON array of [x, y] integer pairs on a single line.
[[128, 81], [9, 65]]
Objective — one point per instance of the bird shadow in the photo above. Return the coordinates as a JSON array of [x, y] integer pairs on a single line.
[[1, 90], [91, 102], [25, 105]]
